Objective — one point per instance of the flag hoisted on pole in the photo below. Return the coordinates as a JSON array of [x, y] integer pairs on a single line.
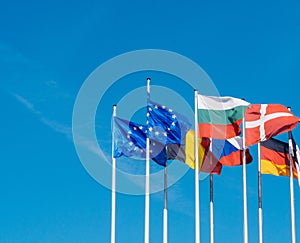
[[147, 179], [277, 158], [197, 202], [220, 117], [264, 121], [168, 128], [113, 183]]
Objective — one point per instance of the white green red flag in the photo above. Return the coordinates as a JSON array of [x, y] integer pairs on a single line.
[[264, 121], [220, 117]]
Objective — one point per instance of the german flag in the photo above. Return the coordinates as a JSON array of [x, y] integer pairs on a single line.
[[186, 153], [275, 158]]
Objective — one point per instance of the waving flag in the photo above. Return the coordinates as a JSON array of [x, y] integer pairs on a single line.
[[295, 152], [220, 117], [185, 153], [264, 121], [230, 152], [165, 125], [275, 158], [130, 141]]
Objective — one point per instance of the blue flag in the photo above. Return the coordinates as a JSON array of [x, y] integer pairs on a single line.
[[130, 141], [165, 125]]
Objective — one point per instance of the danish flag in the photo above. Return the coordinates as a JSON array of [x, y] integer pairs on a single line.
[[264, 121]]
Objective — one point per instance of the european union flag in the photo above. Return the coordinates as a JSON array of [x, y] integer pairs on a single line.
[[130, 141], [165, 125]]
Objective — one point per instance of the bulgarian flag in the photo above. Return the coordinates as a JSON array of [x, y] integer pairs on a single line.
[[220, 117]]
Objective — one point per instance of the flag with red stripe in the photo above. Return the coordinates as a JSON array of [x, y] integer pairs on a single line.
[[264, 121], [275, 158], [220, 117]]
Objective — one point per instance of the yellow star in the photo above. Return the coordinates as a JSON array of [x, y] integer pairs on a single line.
[[141, 128], [148, 114], [169, 129], [170, 110], [135, 148], [163, 106], [165, 134], [134, 128], [141, 150], [151, 151], [153, 143], [156, 107], [130, 143], [174, 116], [147, 122], [156, 133], [173, 124], [128, 136], [150, 109], [150, 129]]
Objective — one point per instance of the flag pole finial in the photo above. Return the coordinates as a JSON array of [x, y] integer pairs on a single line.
[[114, 109]]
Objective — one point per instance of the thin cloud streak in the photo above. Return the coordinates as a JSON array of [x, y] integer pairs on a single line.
[[58, 127], [26, 103]]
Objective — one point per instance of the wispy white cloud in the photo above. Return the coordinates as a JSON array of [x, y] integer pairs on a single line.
[[51, 83], [58, 127], [26, 103]]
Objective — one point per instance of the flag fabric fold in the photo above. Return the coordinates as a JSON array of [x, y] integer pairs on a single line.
[[185, 153], [220, 117], [295, 152], [230, 152], [165, 125], [264, 121], [130, 141], [275, 158]]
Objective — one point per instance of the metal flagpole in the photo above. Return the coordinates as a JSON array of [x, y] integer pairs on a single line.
[[197, 203], [245, 185], [211, 210], [260, 218], [147, 179], [165, 214], [113, 185], [293, 227], [211, 202]]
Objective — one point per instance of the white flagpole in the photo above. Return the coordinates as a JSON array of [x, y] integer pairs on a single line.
[[211, 210], [245, 185], [260, 218], [147, 179], [293, 227], [211, 202], [113, 185], [165, 213], [197, 196]]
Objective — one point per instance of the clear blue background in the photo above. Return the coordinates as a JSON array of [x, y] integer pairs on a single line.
[[47, 50]]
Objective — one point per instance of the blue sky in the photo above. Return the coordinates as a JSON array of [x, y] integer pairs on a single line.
[[48, 49]]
